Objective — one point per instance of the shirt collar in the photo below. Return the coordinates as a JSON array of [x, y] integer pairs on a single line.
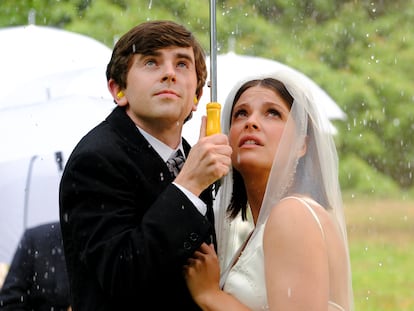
[[164, 151]]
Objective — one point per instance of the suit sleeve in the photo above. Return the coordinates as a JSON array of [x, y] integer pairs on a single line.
[[18, 283], [130, 233]]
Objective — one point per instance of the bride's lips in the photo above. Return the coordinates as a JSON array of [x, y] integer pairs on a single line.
[[250, 140]]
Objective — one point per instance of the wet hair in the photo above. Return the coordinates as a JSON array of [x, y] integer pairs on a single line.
[[148, 37], [238, 202]]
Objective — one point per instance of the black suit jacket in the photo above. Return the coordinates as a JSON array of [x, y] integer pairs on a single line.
[[37, 279], [127, 230]]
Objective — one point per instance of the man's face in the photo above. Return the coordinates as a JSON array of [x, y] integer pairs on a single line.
[[161, 88]]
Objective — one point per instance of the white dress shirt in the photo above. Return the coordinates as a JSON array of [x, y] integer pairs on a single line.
[[165, 152]]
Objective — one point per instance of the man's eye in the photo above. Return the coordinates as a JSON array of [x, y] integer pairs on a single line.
[[182, 65], [150, 62]]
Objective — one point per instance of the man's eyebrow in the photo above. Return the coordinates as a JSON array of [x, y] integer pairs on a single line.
[[185, 56], [177, 55], [151, 53]]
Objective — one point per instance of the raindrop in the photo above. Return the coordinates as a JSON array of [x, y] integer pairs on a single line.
[[380, 264], [396, 122], [161, 176], [32, 17], [150, 5]]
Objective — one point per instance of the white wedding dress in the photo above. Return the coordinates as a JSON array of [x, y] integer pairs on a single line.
[[246, 278]]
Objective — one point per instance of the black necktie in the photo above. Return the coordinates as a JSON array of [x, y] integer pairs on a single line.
[[175, 163]]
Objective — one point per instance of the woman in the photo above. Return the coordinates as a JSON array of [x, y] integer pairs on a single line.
[[285, 174]]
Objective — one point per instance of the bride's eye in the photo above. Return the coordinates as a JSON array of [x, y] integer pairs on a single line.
[[239, 113], [274, 113]]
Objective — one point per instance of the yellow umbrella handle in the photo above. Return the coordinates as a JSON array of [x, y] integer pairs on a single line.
[[213, 118]]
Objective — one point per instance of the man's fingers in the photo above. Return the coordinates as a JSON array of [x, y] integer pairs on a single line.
[[203, 127]]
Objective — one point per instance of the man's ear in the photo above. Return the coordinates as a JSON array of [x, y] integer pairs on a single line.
[[117, 93], [197, 100]]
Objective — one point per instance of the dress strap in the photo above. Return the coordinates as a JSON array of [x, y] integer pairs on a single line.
[[310, 210], [335, 305]]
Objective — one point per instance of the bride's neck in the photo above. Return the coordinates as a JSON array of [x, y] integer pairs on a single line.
[[255, 188]]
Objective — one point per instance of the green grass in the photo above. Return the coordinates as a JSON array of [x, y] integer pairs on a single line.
[[381, 239]]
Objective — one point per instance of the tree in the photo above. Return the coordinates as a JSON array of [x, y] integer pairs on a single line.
[[360, 52]]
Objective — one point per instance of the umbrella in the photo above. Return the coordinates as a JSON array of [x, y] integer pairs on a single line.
[[29, 52], [54, 92], [36, 141], [49, 126], [232, 67]]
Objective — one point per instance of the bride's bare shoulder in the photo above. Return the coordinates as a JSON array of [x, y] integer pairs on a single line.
[[295, 217]]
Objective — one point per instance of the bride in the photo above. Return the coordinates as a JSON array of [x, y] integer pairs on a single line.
[[285, 176]]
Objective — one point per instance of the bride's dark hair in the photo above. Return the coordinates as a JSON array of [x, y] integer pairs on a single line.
[[238, 201]]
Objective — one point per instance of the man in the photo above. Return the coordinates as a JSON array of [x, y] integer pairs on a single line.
[[128, 226], [37, 278]]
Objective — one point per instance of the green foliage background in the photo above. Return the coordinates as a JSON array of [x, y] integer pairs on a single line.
[[361, 52]]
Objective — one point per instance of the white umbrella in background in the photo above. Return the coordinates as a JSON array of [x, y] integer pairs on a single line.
[[30, 52], [231, 68], [36, 142], [53, 92]]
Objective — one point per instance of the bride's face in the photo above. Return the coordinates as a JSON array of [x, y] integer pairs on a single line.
[[257, 123]]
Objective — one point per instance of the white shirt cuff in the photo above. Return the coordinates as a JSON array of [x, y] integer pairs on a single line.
[[198, 203]]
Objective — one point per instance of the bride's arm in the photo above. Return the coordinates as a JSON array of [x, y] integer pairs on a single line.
[[296, 265], [202, 274]]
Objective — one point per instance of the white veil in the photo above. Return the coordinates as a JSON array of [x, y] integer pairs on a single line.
[[314, 175]]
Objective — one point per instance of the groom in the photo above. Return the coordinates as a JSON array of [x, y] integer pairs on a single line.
[[128, 226]]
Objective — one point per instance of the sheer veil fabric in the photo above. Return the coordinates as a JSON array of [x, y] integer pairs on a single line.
[[314, 175]]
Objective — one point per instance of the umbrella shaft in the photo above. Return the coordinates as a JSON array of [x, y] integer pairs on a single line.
[[213, 52]]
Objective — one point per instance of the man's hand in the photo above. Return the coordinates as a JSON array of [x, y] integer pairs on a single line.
[[208, 161]]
